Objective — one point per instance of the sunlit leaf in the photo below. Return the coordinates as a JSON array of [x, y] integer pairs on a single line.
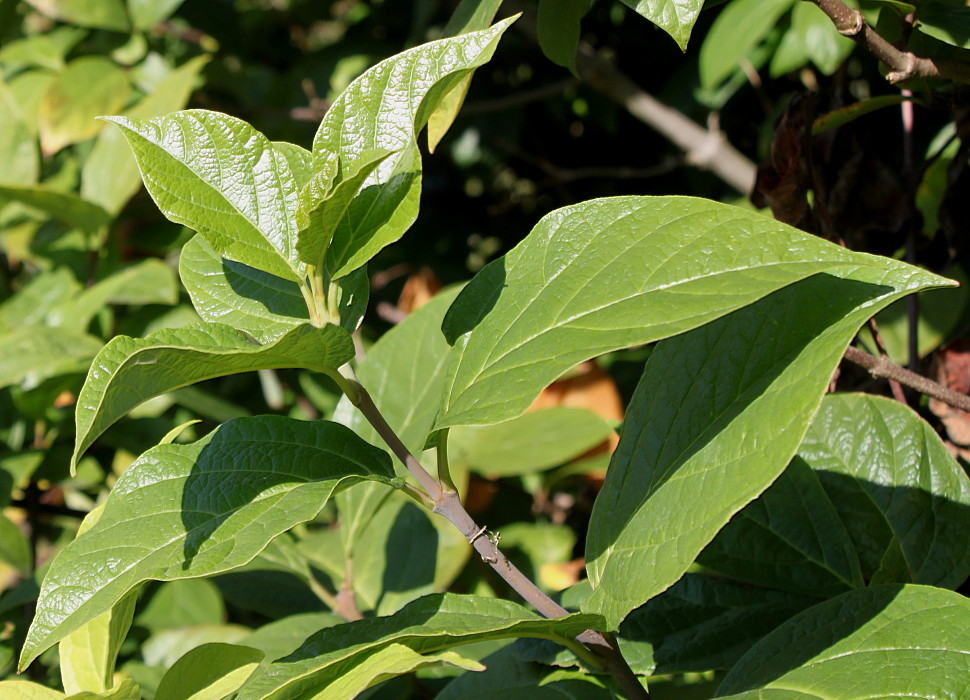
[[676, 17]]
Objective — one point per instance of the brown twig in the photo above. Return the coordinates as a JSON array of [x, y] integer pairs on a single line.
[[903, 65], [882, 367]]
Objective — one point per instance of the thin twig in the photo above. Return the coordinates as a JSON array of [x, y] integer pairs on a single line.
[[903, 65], [882, 367]]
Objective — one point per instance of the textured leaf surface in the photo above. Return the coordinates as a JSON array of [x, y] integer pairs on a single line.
[[129, 371], [209, 671], [184, 511], [88, 87], [219, 176], [880, 642], [701, 436], [676, 17], [425, 626], [385, 108], [609, 274]]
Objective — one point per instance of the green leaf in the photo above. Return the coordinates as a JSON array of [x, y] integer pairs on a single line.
[[46, 50], [609, 274], [249, 217], [701, 436], [894, 484], [129, 371], [209, 672], [509, 677], [163, 649], [88, 654], [392, 660], [14, 548], [676, 17], [810, 37], [182, 604], [88, 87], [324, 204], [398, 96], [35, 353], [97, 14], [126, 690], [145, 14], [739, 28], [535, 441], [884, 641], [35, 301], [184, 511], [946, 21], [27, 690], [19, 157], [845, 115], [109, 176], [427, 625], [558, 30], [63, 206]]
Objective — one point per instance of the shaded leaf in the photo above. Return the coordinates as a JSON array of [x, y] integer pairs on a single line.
[[608, 274], [129, 371], [811, 36], [427, 625], [738, 29], [63, 206], [701, 437], [558, 30], [35, 353], [37, 298], [14, 548], [398, 96], [946, 21], [145, 14], [213, 505], [863, 644], [209, 671], [87, 655], [250, 217], [676, 17]]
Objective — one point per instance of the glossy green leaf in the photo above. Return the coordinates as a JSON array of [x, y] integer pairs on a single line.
[[398, 96], [392, 660], [701, 437], [88, 654], [35, 353], [250, 217], [558, 29], [885, 641], [109, 176], [535, 441], [14, 548], [19, 155], [740, 27], [324, 204], [676, 17], [946, 21], [427, 625], [97, 14], [184, 511], [509, 677], [63, 206], [240, 296], [127, 689], [209, 672], [609, 274], [145, 14], [891, 479], [28, 690], [87, 88], [129, 371]]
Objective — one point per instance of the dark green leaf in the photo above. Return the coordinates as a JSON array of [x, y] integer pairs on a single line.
[[946, 21], [558, 29]]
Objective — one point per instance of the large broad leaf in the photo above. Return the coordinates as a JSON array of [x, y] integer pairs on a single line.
[[739, 28], [609, 274], [35, 353], [676, 17], [385, 108], [427, 625], [184, 511], [109, 176], [212, 670], [88, 87], [880, 642], [219, 176], [718, 414], [129, 371]]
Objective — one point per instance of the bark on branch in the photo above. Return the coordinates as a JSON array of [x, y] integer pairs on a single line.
[[882, 367]]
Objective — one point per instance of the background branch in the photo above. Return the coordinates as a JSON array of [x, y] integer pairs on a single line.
[[882, 367]]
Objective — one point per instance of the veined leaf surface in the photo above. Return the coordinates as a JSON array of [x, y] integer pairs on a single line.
[[701, 436], [219, 176], [676, 17], [879, 642], [129, 371], [427, 625], [614, 273], [184, 511], [385, 108]]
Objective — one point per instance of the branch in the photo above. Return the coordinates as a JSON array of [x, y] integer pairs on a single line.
[[903, 65], [882, 367], [448, 505]]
